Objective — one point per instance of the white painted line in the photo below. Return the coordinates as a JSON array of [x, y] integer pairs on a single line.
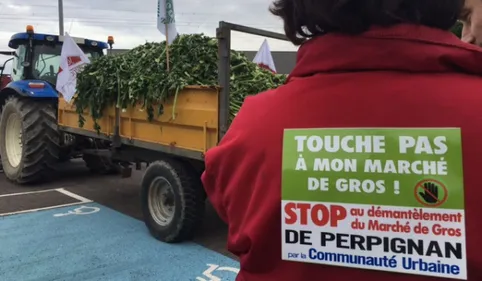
[[41, 209], [73, 195], [28, 192]]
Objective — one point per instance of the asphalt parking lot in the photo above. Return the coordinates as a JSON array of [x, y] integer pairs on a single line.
[[107, 242]]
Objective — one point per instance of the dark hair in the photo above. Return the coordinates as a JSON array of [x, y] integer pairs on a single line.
[[304, 19]]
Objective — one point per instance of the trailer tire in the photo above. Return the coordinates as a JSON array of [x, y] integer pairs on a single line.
[[183, 190], [32, 157], [100, 165]]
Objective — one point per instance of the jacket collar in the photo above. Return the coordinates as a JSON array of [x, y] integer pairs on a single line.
[[404, 48]]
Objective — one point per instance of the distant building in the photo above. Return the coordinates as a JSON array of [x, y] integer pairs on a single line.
[[284, 61]]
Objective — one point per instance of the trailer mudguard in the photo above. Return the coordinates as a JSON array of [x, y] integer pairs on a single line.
[[33, 88]]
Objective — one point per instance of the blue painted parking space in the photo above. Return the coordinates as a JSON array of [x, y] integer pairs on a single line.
[[93, 242]]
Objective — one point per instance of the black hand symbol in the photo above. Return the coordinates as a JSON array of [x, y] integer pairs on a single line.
[[430, 194]]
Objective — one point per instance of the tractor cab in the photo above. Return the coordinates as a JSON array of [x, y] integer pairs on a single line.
[[29, 101], [37, 56]]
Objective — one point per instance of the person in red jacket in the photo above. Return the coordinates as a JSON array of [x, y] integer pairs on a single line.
[[365, 165]]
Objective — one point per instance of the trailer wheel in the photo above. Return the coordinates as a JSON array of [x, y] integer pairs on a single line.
[[172, 201], [29, 140], [100, 165]]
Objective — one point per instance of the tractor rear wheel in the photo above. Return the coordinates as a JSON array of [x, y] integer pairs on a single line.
[[29, 140]]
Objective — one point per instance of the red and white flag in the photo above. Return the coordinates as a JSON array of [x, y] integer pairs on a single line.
[[264, 58], [72, 60]]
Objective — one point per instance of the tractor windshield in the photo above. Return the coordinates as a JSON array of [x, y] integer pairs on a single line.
[[46, 60]]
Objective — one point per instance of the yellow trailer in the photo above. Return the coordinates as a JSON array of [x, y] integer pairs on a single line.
[[173, 144], [187, 130]]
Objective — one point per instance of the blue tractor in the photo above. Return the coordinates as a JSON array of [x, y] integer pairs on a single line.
[[30, 142]]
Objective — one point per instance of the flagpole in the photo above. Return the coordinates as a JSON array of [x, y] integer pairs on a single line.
[[61, 18], [167, 47]]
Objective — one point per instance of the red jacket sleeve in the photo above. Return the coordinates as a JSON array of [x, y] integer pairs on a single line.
[[241, 187], [225, 164]]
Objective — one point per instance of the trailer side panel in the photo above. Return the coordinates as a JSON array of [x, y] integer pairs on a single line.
[[193, 127]]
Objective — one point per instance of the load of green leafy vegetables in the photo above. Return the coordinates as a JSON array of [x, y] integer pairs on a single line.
[[140, 76]]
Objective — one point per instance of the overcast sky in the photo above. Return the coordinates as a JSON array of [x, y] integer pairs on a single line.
[[132, 23]]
